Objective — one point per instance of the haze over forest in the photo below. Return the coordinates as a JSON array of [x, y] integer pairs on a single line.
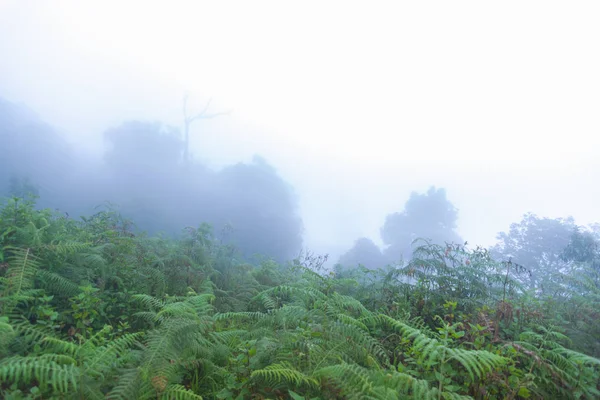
[[299, 201], [350, 142]]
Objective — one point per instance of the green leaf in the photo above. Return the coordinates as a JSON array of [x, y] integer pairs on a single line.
[[524, 392], [295, 395]]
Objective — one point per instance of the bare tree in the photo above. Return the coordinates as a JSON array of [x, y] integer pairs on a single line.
[[188, 119]]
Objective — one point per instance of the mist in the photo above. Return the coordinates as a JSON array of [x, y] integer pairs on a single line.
[[399, 123], [311, 200]]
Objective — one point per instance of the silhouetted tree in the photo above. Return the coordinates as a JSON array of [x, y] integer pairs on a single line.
[[583, 247], [32, 152], [428, 216], [143, 160], [537, 244], [261, 209], [364, 252], [139, 148]]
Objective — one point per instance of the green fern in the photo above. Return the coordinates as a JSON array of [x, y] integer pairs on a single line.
[[430, 351], [178, 392], [58, 284], [18, 284], [7, 333], [561, 369], [68, 367], [62, 378], [277, 374], [360, 383]]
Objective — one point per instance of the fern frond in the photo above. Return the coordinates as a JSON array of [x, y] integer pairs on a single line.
[[68, 247], [237, 316], [266, 296], [128, 385], [577, 357], [358, 339], [347, 303], [179, 392], [23, 370], [477, 362], [228, 336], [348, 320], [104, 357], [290, 315], [7, 334], [276, 374], [357, 382], [178, 309], [431, 350], [29, 334], [58, 284], [159, 348], [22, 267], [352, 380], [91, 260], [61, 346], [148, 301]]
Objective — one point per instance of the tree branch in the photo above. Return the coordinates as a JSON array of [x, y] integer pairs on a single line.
[[209, 116]]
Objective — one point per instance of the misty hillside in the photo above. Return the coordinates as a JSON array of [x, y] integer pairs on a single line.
[[142, 174], [143, 275], [299, 201]]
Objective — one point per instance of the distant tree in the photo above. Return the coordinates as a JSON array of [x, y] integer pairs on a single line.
[[140, 148], [584, 248], [428, 216], [143, 162], [537, 244], [580, 305], [33, 149], [261, 209], [147, 182], [364, 252]]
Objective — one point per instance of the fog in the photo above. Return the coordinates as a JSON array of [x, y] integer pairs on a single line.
[[339, 122]]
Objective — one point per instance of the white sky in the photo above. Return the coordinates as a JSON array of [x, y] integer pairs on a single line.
[[356, 103]]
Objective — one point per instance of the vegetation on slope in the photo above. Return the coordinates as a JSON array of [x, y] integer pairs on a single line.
[[90, 310]]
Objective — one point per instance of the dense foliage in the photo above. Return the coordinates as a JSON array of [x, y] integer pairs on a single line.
[[90, 310], [143, 171]]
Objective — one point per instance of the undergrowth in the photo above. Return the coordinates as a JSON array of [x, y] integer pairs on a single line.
[[90, 310]]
